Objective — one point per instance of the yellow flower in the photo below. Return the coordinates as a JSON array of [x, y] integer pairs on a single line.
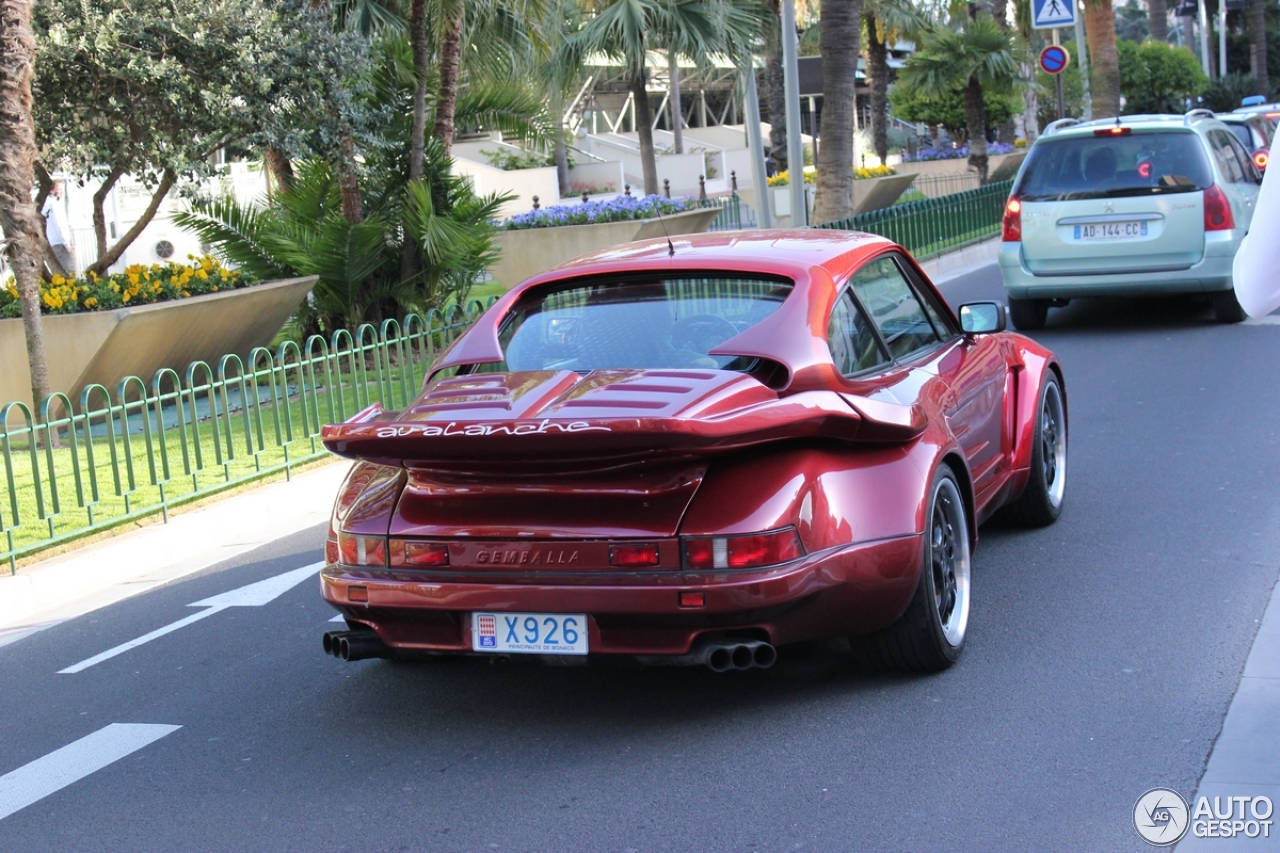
[[125, 298], [133, 279], [90, 302], [202, 275], [57, 280]]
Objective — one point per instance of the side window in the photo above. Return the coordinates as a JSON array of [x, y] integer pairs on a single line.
[[1232, 170], [853, 342], [894, 307], [1251, 173]]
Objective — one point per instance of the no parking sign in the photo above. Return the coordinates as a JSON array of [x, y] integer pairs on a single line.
[[1054, 59]]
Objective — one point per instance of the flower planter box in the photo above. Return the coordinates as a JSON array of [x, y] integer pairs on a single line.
[[104, 347], [530, 251], [868, 194]]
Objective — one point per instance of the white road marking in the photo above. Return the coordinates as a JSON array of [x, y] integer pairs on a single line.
[[60, 768], [255, 594], [339, 618]]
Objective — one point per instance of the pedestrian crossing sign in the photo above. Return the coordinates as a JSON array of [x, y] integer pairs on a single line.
[[1049, 14]]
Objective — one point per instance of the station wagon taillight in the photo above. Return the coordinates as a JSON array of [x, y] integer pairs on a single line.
[[754, 550], [1261, 158], [1217, 210], [1011, 224]]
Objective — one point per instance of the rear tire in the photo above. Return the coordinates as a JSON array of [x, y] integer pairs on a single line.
[[929, 636], [1226, 308], [1040, 503], [1028, 314]]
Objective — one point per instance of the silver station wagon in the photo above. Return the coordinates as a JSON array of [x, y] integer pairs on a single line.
[[1134, 206]]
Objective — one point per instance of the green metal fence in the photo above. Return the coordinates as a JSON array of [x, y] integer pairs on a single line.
[[84, 465], [74, 467], [934, 225]]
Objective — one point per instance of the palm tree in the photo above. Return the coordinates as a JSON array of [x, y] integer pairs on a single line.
[[840, 23], [1104, 62], [886, 21], [628, 29], [974, 55], [1158, 19], [18, 217], [1258, 44]]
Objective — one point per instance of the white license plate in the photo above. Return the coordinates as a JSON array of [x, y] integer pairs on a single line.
[[1111, 231], [529, 633]]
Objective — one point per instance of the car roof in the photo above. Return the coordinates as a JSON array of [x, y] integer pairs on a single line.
[[816, 260]]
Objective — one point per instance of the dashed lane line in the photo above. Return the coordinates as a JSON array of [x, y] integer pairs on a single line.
[[60, 768]]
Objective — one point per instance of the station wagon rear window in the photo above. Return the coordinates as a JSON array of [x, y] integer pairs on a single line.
[[649, 322], [1136, 164]]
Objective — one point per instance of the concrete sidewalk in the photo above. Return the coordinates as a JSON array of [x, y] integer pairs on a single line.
[[107, 571]]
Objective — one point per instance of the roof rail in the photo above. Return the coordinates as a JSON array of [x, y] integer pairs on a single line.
[[1196, 114], [1059, 124]]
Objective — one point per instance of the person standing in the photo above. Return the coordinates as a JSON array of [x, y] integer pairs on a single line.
[[55, 228]]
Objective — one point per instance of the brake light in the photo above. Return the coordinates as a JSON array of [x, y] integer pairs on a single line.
[[1217, 210], [411, 553], [1112, 131], [1261, 157], [743, 552], [633, 556], [1011, 224], [1144, 169], [357, 550]]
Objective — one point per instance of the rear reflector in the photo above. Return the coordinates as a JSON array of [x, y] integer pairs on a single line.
[[357, 550], [743, 552], [693, 599], [633, 556], [1112, 131], [1217, 210], [407, 552], [358, 593]]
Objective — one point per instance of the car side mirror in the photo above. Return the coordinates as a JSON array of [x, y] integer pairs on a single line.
[[981, 318]]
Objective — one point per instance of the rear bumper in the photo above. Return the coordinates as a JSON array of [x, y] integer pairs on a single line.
[[846, 591], [1212, 273]]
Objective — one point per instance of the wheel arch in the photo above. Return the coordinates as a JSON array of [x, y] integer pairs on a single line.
[[955, 461]]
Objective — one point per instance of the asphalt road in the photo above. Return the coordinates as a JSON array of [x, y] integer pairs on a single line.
[[1103, 653]]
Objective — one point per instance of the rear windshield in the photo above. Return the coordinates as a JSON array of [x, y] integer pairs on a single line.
[[1135, 164], [636, 323]]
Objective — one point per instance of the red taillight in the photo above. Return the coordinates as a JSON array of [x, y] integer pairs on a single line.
[[1217, 210], [1011, 225], [1112, 131], [331, 553], [743, 552], [357, 550], [1261, 157], [633, 556], [410, 553]]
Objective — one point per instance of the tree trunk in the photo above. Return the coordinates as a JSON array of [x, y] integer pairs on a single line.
[[450, 61], [19, 218], [975, 121], [418, 135], [838, 42], [878, 82], [677, 108], [1258, 44], [1158, 18], [644, 127], [775, 95], [1104, 62], [279, 168], [1030, 106], [349, 181], [99, 205], [106, 259]]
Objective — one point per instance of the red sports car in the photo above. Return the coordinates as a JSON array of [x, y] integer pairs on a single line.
[[696, 452]]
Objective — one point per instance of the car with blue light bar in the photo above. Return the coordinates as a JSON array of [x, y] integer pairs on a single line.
[[1132, 206], [696, 452]]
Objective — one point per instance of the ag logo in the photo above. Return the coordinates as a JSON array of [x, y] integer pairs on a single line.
[[1160, 816]]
